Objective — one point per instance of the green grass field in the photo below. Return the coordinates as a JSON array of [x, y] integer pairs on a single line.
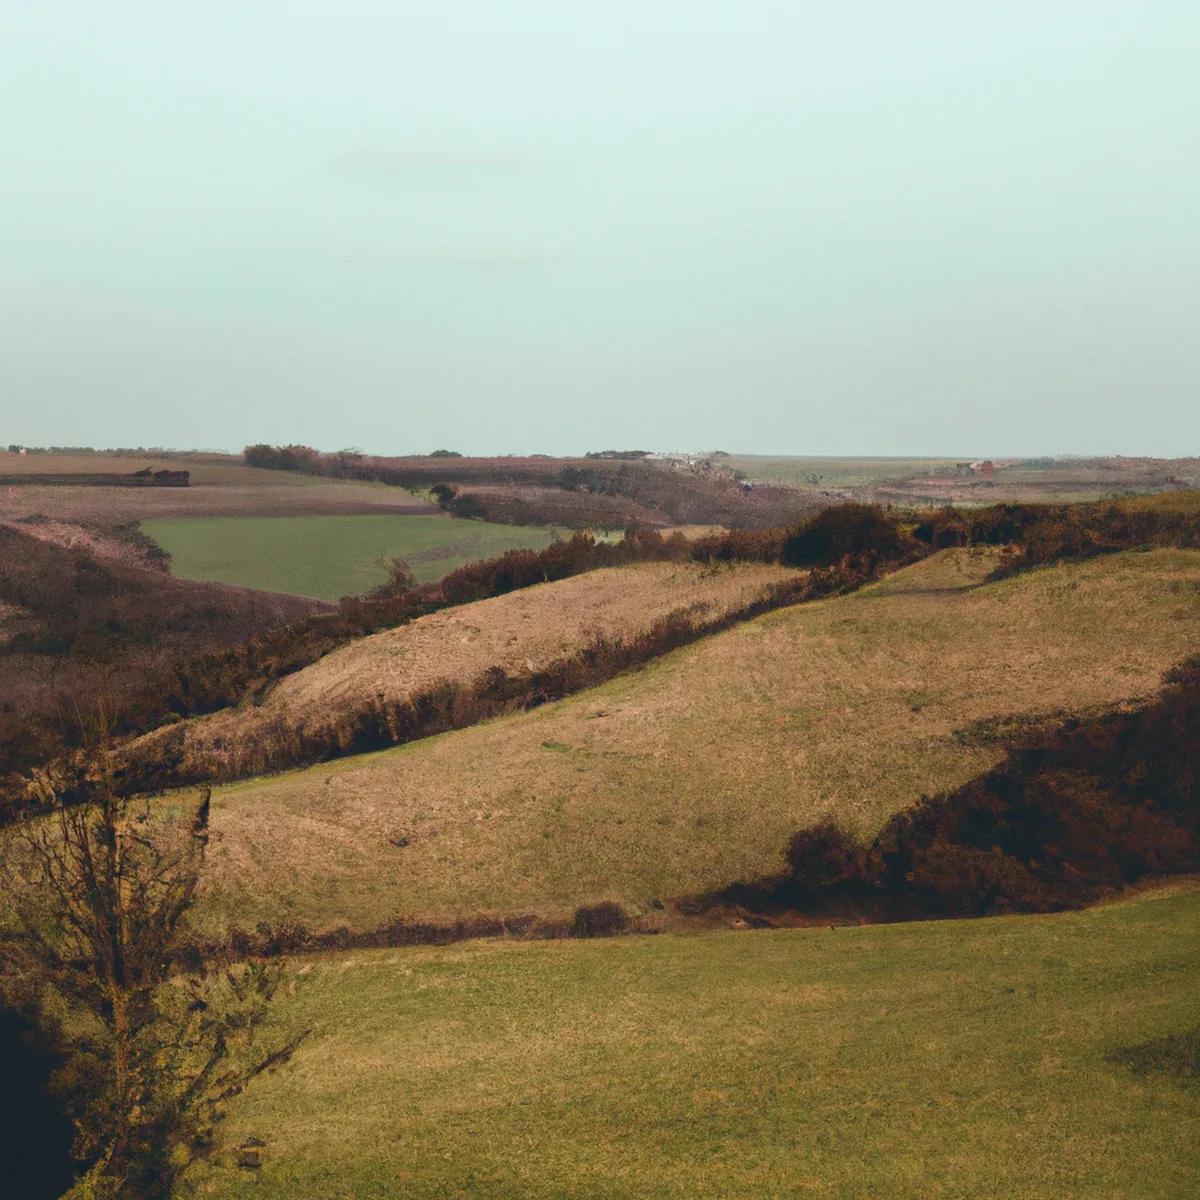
[[329, 557], [832, 472], [953, 1059]]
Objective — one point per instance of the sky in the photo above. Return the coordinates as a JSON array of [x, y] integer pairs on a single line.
[[523, 226]]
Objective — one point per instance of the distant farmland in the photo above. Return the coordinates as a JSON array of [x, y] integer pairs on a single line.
[[328, 557]]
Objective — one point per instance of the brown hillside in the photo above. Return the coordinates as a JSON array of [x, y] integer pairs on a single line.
[[522, 631], [84, 618]]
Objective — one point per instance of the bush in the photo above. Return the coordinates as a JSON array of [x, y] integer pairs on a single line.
[[845, 530], [826, 861], [599, 920]]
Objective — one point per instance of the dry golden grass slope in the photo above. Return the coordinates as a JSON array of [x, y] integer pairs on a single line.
[[522, 631], [695, 770]]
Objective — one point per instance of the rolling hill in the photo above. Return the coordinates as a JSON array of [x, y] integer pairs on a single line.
[[524, 630], [695, 770]]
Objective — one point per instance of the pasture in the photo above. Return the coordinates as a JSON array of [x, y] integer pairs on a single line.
[[694, 770], [328, 557], [963, 1059], [835, 473]]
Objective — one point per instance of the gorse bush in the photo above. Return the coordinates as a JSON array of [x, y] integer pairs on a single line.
[[846, 530], [1043, 533], [599, 920]]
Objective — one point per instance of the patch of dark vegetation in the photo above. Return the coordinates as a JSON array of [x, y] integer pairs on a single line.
[[1084, 809], [143, 478], [88, 627], [1175, 1057], [469, 508], [267, 941], [599, 920], [35, 1136], [1046, 533], [847, 529]]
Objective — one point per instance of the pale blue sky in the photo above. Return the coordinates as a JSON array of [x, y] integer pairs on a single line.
[[883, 226]]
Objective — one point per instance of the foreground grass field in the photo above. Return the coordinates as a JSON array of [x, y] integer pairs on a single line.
[[695, 770], [328, 557], [957, 1059]]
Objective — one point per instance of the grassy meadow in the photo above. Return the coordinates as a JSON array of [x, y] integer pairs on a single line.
[[695, 770], [328, 557], [956, 1059], [832, 472]]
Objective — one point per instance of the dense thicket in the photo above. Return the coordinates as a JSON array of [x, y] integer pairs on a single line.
[[1076, 810]]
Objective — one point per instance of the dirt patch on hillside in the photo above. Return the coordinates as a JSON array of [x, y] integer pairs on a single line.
[[523, 631]]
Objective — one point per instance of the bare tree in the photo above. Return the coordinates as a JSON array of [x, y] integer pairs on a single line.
[[154, 1041]]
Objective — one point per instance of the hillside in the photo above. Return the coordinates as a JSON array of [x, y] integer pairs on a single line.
[[696, 769], [967, 1059], [602, 493], [524, 630], [88, 613]]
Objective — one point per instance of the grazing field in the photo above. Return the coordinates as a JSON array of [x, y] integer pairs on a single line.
[[695, 770], [811, 473], [220, 486], [963, 1059], [328, 557], [525, 630]]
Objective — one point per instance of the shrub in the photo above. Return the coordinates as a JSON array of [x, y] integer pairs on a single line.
[[845, 530], [599, 920], [826, 861]]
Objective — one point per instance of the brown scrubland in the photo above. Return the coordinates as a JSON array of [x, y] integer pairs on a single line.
[[90, 615]]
